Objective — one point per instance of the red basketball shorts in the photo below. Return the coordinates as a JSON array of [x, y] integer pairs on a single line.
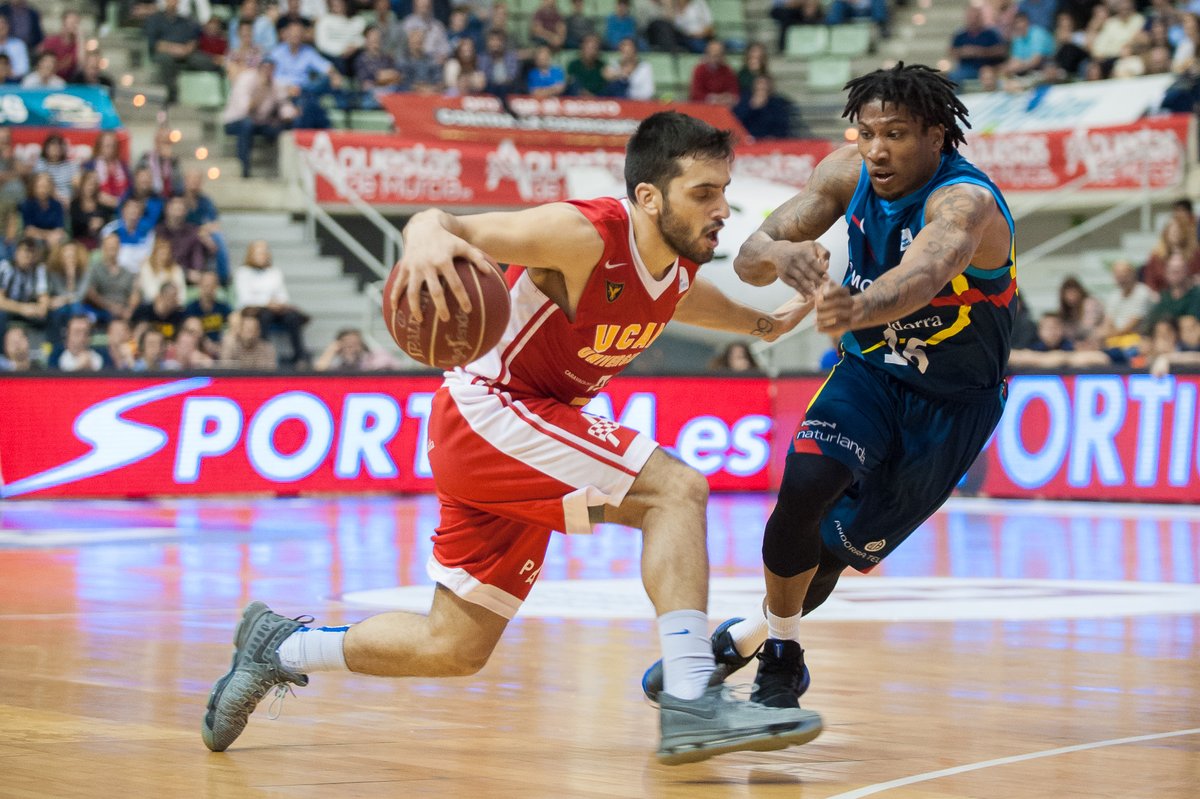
[[509, 470]]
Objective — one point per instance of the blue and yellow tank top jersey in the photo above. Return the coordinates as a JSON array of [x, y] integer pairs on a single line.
[[957, 343]]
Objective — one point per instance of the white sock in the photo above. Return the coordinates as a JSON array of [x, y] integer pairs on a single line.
[[687, 652], [316, 649], [748, 635], [785, 628]]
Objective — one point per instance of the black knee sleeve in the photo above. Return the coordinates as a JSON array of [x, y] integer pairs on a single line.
[[792, 540]]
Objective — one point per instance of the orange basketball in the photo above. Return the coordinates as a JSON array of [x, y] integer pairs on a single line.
[[466, 336]]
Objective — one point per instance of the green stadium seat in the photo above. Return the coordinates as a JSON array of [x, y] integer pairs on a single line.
[[850, 41], [600, 9], [666, 75], [806, 41], [370, 119], [203, 90], [729, 16], [687, 65], [827, 73]]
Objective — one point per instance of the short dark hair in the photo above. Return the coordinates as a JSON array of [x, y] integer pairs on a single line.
[[926, 93], [653, 152]]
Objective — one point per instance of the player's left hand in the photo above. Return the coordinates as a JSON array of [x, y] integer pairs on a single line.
[[785, 318], [835, 310]]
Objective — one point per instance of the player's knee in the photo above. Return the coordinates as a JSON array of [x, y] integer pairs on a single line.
[[691, 488], [461, 659], [792, 539]]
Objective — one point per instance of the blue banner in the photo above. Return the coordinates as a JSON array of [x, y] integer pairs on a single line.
[[72, 107]]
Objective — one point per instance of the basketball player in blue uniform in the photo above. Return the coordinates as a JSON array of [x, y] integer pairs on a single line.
[[924, 313]]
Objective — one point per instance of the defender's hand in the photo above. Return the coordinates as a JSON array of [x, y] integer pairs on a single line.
[[785, 318], [835, 311], [802, 265]]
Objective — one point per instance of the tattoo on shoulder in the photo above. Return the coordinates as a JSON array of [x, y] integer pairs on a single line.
[[962, 206]]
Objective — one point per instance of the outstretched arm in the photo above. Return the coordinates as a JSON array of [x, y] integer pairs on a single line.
[[957, 217], [783, 246], [706, 306]]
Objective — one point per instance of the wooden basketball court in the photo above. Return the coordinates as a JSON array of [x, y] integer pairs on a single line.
[[1007, 651]]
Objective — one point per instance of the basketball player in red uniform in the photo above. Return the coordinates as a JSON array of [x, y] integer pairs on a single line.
[[514, 458]]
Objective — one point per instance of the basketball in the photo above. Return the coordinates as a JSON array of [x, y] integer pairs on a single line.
[[462, 339]]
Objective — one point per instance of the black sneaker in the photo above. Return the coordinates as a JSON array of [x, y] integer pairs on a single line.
[[782, 676], [724, 653]]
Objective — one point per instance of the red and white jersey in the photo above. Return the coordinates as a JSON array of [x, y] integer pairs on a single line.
[[623, 309]]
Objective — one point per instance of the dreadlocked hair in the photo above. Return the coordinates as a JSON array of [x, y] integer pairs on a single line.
[[926, 93]]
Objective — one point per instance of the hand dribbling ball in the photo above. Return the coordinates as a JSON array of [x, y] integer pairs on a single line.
[[466, 336]]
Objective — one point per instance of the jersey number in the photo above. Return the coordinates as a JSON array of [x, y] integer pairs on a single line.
[[912, 355]]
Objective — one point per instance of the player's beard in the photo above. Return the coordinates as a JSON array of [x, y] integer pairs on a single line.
[[678, 235]]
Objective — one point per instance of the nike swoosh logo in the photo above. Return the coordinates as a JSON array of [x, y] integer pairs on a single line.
[[115, 441], [611, 265], [680, 632]]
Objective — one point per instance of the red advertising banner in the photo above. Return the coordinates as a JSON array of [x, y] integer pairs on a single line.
[[139, 437], [388, 169], [551, 121], [27, 141], [1112, 437], [1151, 153]]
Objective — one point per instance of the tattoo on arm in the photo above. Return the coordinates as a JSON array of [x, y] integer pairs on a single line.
[[810, 213], [762, 327]]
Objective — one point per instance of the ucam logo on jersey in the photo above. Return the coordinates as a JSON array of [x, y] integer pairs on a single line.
[[134, 437]]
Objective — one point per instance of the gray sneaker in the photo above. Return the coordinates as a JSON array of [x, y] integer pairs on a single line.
[[725, 655], [255, 670], [716, 723]]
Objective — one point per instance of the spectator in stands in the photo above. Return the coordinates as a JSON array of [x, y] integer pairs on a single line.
[[90, 72], [1128, 306], [434, 43], [134, 229], [1030, 49], [119, 350], [165, 174], [142, 189], [66, 276], [461, 73], [261, 34], [547, 26], [213, 42], [619, 25], [199, 10], [291, 12], [311, 10], [1183, 58], [15, 49], [246, 54], [44, 216], [111, 291], [877, 10], [13, 172], [975, 46], [1117, 31], [259, 287], [152, 351], [24, 287], [655, 19], [578, 25], [202, 212], [1180, 296], [87, 217], [1070, 52], [111, 171], [187, 248], [585, 74], [693, 21], [6, 76], [395, 40], [258, 105], [499, 64], [628, 76], [1177, 236], [735, 357], [1082, 314], [163, 314], [159, 268], [546, 78], [78, 356], [1186, 351], [188, 351], [24, 21], [56, 161], [377, 70], [349, 353], [17, 357], [764, 114], [795, 12], [210, 310], [424, 71], [339, 36], [713, 80], [44, 75], [754, 64], [172, 39], [306, 74], [243, 346], [462, 26], [497, 20], [1040, 12], [1053, 350]]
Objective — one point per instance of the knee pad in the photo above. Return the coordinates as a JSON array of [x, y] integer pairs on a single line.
[[792, 539]]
